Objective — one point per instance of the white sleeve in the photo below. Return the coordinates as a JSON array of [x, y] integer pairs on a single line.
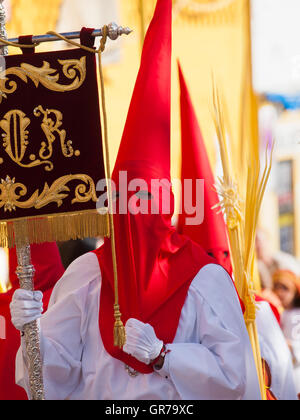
[[62, 331], [290, 323], [215, 366], [275, 352], [296, 352], [295, 337]]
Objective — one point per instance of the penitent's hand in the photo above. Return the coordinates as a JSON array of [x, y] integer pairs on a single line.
[[141, 341], [25, 307]]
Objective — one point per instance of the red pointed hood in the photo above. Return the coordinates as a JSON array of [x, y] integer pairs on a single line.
[[212, 233], [146, 136], [155, 264]]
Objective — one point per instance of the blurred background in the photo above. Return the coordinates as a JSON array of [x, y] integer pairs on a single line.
[[251, 47]]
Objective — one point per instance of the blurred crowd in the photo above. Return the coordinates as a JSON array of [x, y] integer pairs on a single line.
[[280, 281]]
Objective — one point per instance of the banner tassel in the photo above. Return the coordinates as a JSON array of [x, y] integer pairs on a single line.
[[119, 329]]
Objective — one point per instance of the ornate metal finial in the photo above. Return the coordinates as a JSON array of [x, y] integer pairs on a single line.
[[3, 33], [114, 31]]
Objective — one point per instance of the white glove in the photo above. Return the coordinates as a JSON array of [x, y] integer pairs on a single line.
[[141, 341], [25, 307]]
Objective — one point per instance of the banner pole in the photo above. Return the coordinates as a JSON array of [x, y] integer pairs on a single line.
[[114, 32], [25, 272]]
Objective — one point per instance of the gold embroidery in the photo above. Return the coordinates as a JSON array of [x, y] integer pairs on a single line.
[[11, 193], [50, 127], [15, 139], [72, 69]]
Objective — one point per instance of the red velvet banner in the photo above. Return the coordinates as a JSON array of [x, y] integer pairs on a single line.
[[51, 155]]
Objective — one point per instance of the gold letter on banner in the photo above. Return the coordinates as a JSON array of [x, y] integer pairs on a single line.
[[15, 139], [50, 127]]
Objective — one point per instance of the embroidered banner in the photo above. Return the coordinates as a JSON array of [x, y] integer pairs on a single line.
[[51, 155]]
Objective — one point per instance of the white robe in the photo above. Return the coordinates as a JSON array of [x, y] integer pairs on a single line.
[[210, 358], [275, 351], [290, 323]]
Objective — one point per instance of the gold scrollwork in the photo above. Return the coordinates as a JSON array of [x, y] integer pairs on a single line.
[[73, 69], [11, 193]]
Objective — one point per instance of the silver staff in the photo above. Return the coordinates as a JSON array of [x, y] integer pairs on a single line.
[[25, 272], [114, 32]]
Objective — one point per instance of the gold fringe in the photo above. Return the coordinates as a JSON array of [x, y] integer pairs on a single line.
[[119, 329], [53, 228]]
